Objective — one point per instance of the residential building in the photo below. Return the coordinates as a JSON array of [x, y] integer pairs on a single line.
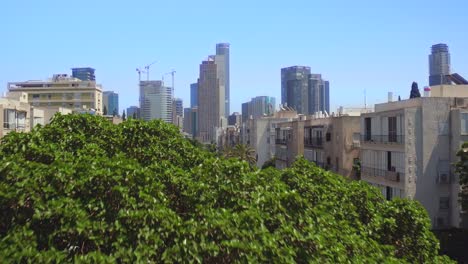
[[84, 74], [408, 148], [235, 119], [222, 49], [62, 91], [439, 65], [193, 95], [155, 101], [111, 102], [133, 112], [295, 88], [228, 137], [260, 133], [191, 121], [305, 92], [51, 111], [17, 114], [211, 98], [331, 142]]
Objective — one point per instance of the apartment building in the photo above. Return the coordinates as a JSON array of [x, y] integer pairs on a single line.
[[408, 148], [17, 114], [62, 91], [330, 142], [260, 133]]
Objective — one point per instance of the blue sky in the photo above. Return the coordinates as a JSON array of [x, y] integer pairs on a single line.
[[377, 46]]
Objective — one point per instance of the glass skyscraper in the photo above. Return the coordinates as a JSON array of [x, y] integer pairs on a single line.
[[84, 74], [223, 49], [439, 65], [111, 102], [155, 101], [194, 95]]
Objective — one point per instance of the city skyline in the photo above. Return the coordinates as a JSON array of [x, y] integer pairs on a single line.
[[390, 52]]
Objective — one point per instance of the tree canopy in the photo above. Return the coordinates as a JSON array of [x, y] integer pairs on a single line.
[[83, 189], [461, 168], [414, 90]]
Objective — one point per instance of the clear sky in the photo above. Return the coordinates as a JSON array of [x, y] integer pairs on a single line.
[[377, 46]]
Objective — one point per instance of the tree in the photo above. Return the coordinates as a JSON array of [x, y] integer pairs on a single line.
[[114, 112], [123, 115], [271, 163], [134, 115], [414, 90], [399, 98], [461, 168], [82, 189], [104, 111], [242, 152]]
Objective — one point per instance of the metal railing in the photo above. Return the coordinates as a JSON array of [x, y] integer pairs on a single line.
[[387, 139], [388, 175], [280, 141], [313, 142]]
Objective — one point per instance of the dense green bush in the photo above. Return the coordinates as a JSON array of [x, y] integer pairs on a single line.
[[82, 189]]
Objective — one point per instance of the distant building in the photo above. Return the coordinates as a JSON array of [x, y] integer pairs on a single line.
[[155, 101], [245, 111], [133, 112], [235, 119], [62, 91], [84, 74], [194, 95], [111, 102], [178, 107], [305, 92], [407, 151], [439, 65], [191, 121], [331, 142], [222, 49]]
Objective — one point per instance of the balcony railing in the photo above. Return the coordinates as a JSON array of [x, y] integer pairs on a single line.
[[388, 175], [280, 141], [313, 142], [386, 139]]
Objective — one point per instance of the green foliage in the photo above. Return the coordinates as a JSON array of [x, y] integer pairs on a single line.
[[82, 189], [241, 152], [461, 168], [271, 163], [414, 90]]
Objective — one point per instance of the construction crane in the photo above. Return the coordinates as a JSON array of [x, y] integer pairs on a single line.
[[140, 71], [147, 68], [172, 74]]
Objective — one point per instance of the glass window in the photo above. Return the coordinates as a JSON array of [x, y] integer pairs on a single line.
[[464, 123], [444, 203], [9, 118], [21, 120]]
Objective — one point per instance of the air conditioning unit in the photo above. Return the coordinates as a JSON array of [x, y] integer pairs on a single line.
[[460, 102], [443, 178]]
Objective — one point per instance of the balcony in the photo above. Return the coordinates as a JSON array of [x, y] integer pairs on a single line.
[[280, 141], [313, 142], [385, 139], [388, 175]]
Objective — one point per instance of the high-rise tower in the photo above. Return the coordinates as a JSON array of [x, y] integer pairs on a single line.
[[222, 49], [439, 65], [155, 101]]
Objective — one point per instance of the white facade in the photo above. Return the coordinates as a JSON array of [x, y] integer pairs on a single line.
[[407, 148]]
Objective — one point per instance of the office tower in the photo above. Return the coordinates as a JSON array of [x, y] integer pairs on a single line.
[[178, 107], [211, 105], [62, 91], [295, 88], [155, 101], [319, 94], [111, 102], [262, 106], [439, 65], [245, 111], [133, 112], [194, 95], [84, 74], [235, 119], [191, 121], [222, 49]]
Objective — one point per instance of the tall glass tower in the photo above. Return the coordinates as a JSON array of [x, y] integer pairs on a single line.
[[223, 49], [439, 65]]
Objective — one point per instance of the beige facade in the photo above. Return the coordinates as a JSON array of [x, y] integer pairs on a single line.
[[407, 148], [330, 142], [17, 115], [449, 91], [61, 91]]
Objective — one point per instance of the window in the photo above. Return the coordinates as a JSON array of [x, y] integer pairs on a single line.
[[36, 96], [367, 128], [328, 135], [389, 161], [389, 194], [464, 123], [328, 161], [21, 117], [392, 129], [444, 203], [9, 118]]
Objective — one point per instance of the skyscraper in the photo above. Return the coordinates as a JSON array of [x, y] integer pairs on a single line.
[[211, 105], [84, 74], [155, 101], [194, 95], [259, 106], [133, 112], [178, 107], [295, 88], [439, 65], [222, 49], [319, 94], [111, 102]]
